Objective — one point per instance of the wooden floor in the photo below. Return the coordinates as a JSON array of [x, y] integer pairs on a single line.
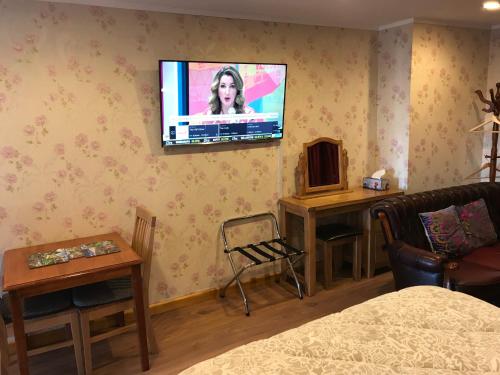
[[200, 331]]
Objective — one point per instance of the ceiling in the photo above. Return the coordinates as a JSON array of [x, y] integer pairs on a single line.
[[359, 14]]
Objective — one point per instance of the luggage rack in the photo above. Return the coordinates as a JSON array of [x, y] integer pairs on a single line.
[[259, 253]]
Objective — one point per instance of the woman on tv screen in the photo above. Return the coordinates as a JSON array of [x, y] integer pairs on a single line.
[[227, 93]]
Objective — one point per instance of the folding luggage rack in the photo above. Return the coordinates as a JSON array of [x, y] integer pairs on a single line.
[[259, 253]]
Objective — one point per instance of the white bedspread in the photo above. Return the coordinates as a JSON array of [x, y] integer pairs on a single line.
[[418, 330]]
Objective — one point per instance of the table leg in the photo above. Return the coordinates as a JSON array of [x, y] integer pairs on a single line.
[[284, 234], [19, 334], [282, 221], [139, 315], [310, 256], [370, 245]]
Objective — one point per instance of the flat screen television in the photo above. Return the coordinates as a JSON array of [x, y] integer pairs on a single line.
[[217, 102]]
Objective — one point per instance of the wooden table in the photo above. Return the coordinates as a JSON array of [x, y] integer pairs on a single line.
[[356, 200], [21, 281]]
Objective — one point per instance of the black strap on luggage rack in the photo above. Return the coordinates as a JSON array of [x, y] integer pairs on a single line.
[[260, 253], [267, 257], [248, 255]]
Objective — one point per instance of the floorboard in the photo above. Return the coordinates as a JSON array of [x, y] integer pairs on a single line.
[[200, 331]]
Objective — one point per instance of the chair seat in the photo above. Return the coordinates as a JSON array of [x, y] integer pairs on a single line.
[[336, 231], [34, 307], [103, 292]]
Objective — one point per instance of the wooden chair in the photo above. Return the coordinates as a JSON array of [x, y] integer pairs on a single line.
[[329, 238], [42, 313], [115, 296]]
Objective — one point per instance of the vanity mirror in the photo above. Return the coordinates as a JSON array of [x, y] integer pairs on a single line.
[[322, 168]]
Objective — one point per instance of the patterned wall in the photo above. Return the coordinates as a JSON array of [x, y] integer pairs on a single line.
[[80, 138], [393, 103], [493, 78], [333, 96], [494, 62], [448, 65], [80, 133]]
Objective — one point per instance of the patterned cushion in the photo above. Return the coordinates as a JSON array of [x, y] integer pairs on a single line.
[[476, 223], [101, 293], [444, 231], [37, 306]]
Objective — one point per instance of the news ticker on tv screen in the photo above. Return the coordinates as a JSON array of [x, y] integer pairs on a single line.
[[222, 128]]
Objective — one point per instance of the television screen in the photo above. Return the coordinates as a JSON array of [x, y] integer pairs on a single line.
[[213, 102]]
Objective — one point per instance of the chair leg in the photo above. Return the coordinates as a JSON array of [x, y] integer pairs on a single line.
[[77, 342], [153, 345], [327, 264], [356, 258], [4, 349], [87, 349]]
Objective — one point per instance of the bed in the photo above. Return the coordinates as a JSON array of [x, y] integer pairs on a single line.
[[417, 330]]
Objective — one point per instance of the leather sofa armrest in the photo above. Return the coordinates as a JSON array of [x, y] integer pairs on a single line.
[[415, 257]]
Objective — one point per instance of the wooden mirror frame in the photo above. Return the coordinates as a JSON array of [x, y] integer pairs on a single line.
[[302, 172]]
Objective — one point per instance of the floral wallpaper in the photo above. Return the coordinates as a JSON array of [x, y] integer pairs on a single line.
[[80, 124], [494, 61], [335, 97], [493, 78], [393, 103], [448, 65], [80, 128]]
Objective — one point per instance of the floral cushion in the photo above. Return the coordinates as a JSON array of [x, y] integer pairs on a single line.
[[444, 231], [476, 223]]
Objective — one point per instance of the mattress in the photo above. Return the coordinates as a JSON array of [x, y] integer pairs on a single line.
[[418, 330]]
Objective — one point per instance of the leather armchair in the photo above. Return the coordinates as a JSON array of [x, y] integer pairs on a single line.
[[413, 262], [414, 266]]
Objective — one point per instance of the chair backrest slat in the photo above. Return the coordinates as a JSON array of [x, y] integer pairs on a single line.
[[143, 241]]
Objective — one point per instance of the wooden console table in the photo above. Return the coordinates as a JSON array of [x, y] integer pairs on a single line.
[[357, 200]]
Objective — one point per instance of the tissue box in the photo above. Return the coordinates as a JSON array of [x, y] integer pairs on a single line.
[[375, 183]]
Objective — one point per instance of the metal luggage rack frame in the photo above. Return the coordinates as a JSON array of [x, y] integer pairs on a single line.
[[259, 253]]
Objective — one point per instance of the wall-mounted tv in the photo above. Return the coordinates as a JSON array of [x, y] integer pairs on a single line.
[[216, 102]]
